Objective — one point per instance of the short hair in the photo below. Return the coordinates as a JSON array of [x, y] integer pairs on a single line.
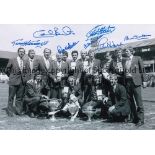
[[131, 49], [118, 49], [37, 72], [21, 48], [113, 76], [30, 50], [65, 53], [48, 50], [74, 52], [91, 51], [71, 77]]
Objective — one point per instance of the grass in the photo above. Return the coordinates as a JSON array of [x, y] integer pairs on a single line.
[[27, 123]]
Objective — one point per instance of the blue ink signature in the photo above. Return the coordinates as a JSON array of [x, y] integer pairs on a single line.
[[100, 30], [64, 31], [105, 43], [67, 47], [137, 37], [36, 43]]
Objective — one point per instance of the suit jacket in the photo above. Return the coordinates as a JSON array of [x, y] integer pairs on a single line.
[[30, 73], [78, 69], [53, 73], [114, 70], [77, 92], [136, 70], [16, 76], [119, 99], [96, 64], [44, 71], [32, 91]]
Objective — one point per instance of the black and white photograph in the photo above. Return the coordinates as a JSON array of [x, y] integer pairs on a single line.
[[77, 77]]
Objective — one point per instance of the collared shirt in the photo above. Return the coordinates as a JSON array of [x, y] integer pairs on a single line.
[[47, 63], [128, 66], [20, 63], [31, 63], [59, 64]]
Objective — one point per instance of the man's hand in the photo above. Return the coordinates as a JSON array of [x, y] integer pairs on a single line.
[[105, 100], [30, 81], [55, 80], [111, 108], [77, 81], [144, 84], [62, 75], [45, 97]]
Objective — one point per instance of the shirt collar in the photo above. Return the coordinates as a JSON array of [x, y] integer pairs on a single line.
[[18, 58]]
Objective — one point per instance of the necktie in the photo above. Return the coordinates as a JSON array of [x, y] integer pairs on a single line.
[[21, 64], [47, 64], [31, 64]]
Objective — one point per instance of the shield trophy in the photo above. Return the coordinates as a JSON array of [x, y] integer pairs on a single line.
[[54, 105], [89, 111]]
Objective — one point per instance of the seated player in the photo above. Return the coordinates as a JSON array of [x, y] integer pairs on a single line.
[[71, 92], [72, 106], [118, 106], [36, 92], [72, 88], [97, 94]]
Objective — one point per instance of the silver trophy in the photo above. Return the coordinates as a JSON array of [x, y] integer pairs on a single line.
[[89, 111], [73, 109], [54, 105]]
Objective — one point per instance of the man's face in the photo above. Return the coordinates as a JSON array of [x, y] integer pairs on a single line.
[[128, 53], [119, 54], [38, 78], [31, 54], [113, 80], [107, 56], [47, 53], [21, 53], [71, 82], [74, 56], [83, 54], [59, 57], [64, 57], [97, 79], [91, 55]]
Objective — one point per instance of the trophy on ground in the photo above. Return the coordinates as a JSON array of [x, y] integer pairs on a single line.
[[73, 107], [55, 105], [89, 111]]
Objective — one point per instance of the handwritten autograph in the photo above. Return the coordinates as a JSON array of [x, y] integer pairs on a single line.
[[64, 31], [100, 30], [36, 43], [67, 47], [137, 37]]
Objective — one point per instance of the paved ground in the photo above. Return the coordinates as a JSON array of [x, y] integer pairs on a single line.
[[26, 123]]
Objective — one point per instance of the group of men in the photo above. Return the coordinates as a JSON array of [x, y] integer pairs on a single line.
[[112, 85]]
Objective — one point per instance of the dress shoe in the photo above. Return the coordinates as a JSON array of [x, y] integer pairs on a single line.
[[140, 123], [10, 113], [32, 115]]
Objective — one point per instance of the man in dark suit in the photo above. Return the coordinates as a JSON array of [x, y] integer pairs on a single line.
[[116, 66], [67, 92], [44, 65], [75, 67], [15, 70], [117, 103], [94, 66], [58, 76], [32, 64], [135, 78], [36, 92]]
